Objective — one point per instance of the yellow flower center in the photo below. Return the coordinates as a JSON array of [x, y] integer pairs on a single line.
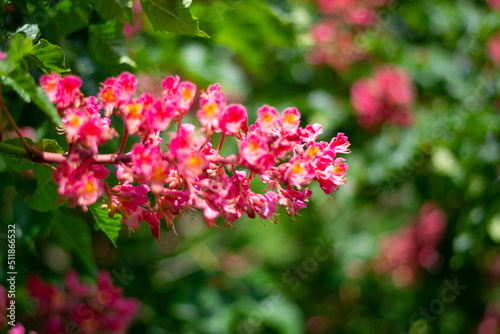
[[134, 109], [254, 145], [210, 109], [75, 120], [313, 151], [195, 161], [108, 95], [289, 118], [187, 94], [159, 174], [90, 187], [297, 168], [267, 118]]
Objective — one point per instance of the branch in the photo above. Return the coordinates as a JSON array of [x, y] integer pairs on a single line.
[[29, 149], [50, 157]]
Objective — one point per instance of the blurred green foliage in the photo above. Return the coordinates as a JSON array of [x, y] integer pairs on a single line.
[[243, 281]]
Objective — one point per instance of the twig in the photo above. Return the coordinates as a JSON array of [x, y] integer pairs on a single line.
[[28, 148], [124, 140]]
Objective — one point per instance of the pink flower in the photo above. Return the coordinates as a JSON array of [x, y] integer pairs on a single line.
[[126, 85], [493, 48], [254, 151], [332, 176], [80, 181], [145, 158], [388, 96], [212, 104], [298, 173], [63, 92], [187, 91], [50, 84], [494, 4], [290, 120], [68, 90], [179, 94], [233, 120], [160, 117], [265, 205], [360, 16], [413, 247], [19, 329], [267, 118], [93, 309]]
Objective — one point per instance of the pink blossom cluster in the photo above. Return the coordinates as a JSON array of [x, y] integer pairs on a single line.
[[85, 308], [334, 45], [413, 247], [130, 30], [354, 12], [166, 173], [388, 96], [494, 4], [334, 37], [490, 324], [493, 48]]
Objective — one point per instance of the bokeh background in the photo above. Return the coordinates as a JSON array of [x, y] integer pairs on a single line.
[[410, 244]]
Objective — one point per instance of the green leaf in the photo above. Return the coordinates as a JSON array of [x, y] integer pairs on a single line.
[[48, 57], [45, 198], [172, 16], [18, 164], [48, 145], [17, 48], [110, 226], [107, 44], [29, 30], [112, 9], [73, 234], [24, 85], [69, 16]]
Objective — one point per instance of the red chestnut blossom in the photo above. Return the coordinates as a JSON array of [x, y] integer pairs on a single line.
[[80, 181], [387, 96], [158, 182], [413, 247], [342, 23], [234, 119], [334, 46], [494, 4], [493, 48], [212, 105], [490, 324], [93, 309], [267, 118]]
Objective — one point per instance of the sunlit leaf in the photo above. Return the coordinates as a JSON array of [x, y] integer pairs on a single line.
[[172, 16]]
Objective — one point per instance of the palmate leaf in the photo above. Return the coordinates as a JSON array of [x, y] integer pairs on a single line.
[[112, 9], [25, 86], [16, 163], [48, 57], [48, 145], [110, 226], [172, 16], [73, 234], [107, 44], [45, 198]]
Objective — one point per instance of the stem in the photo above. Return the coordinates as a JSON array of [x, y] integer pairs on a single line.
[[13, 150], [50, 157], [124, 140], [28, 148], [221, 142], [1, 123]]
